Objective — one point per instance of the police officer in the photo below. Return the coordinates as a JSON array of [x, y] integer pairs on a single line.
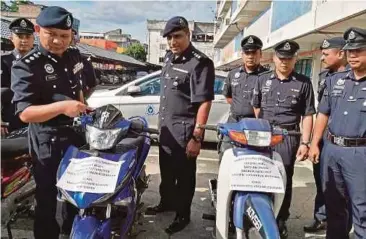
[[187, 91], [47, 96], [343, 110], [334, 60], [284, 97], [239, 84], [22, 37]]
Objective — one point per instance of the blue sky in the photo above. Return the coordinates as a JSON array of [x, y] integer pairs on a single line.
[[131, 16]]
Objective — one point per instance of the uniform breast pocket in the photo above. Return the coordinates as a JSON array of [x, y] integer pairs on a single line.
[[248, 94], [361, 101], [180, 81]]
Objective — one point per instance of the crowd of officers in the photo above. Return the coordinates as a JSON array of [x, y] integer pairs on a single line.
[[336, 145]]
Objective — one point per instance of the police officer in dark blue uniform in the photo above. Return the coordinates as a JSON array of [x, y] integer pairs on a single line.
[[286, 98], [22, 37], [47, 94], [343, 110], [187, 85], [239, 84], [334, 60]]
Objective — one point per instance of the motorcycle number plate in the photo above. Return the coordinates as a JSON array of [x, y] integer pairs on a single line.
[[256, 173]]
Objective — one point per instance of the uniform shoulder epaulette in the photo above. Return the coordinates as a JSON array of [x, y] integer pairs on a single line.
[[6, 53], [265, 72], [31, 56], [198, 54]]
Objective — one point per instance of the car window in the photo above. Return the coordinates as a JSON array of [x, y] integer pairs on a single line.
[[219, 85], [150, 87]]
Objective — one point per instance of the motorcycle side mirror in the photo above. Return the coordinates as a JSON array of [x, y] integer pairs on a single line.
[[133, 90]]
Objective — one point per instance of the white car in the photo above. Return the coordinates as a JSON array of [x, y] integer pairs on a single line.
[[141, 97]]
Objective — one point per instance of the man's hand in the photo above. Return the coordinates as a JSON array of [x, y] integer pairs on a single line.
[[193, 148], [73, 108], [314, 153], [302, 153]]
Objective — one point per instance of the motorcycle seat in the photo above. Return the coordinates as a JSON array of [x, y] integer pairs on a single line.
[[134, 141], [14, 147]]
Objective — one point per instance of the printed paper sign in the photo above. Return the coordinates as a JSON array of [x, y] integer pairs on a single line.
[[256, 173], [90, 175]]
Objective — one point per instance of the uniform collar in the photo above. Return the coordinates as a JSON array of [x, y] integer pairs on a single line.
[[48, 54], [292, 76], [185, 54], [16, 54], [351, 75]]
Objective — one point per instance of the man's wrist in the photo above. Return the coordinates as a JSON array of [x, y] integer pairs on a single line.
[[197, 138]]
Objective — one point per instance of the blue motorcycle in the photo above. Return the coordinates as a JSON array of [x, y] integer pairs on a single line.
[[106, 178], [251, 183]]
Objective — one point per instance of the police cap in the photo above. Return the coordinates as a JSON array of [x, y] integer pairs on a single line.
[[251, 43], [355, 38], [21, 26], [286, 49], [335, 42], [175, 24], [56, 17]]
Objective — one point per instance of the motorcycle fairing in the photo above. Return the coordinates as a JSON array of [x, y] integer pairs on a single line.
[[245, 124], [89, 227], [83, 200], [257, 208]]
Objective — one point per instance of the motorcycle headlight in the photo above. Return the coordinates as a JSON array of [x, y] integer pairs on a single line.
[[101, 139], [258, 138]]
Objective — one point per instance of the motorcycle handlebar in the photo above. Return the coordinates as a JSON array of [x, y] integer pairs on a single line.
[[139, 127]]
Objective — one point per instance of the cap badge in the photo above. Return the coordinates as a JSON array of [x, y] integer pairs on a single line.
[[237, 75], [49, 69], [23, 24], [351, 35], [250, 40], [287, 46], [68, 21], [182, 23], [325, 44]]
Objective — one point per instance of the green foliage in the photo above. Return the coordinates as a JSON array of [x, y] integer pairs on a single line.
[[136, 51], [14, 5]]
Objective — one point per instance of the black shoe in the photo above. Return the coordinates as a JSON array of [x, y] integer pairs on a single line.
[[177, 225], [282, 228], [316, 226], [158, 209]]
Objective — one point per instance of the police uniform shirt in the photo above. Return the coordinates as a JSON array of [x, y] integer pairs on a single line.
[[89, 78], [283, 102], [7, 61], [42, 78], [186, 82], [239, 86], [344, 101]]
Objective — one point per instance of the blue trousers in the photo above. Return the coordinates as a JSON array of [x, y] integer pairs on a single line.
[[344, 186], [319, 203]]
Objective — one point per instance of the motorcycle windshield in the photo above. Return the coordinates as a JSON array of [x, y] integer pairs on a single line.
[[94, 180]]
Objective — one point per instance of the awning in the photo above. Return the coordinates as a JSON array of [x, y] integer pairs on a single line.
[[108, 55]]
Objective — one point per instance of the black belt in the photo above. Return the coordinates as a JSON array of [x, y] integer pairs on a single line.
[[346, 142], [288, 127]]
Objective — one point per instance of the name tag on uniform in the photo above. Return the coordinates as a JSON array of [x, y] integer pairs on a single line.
[[51, 77], [78, 67], [180, 70]]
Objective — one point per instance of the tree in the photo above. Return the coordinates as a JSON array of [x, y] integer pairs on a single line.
[[4, 7], [14, 5], [137, 51]]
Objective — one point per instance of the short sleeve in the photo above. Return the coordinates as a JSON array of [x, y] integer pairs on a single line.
[[227, 92], [90, 79], [308, 99], [203, 81], [325, 103], [257, 94], [25, 87]]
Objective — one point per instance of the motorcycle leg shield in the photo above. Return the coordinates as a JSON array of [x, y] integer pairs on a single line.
[[255, 209], [90, 227]]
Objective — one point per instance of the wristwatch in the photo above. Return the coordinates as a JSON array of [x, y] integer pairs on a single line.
[[307, 144], [197, 138], [199, 126]]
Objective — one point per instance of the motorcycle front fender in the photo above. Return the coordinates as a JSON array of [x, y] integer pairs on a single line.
[[258, 209], [90, 227]]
